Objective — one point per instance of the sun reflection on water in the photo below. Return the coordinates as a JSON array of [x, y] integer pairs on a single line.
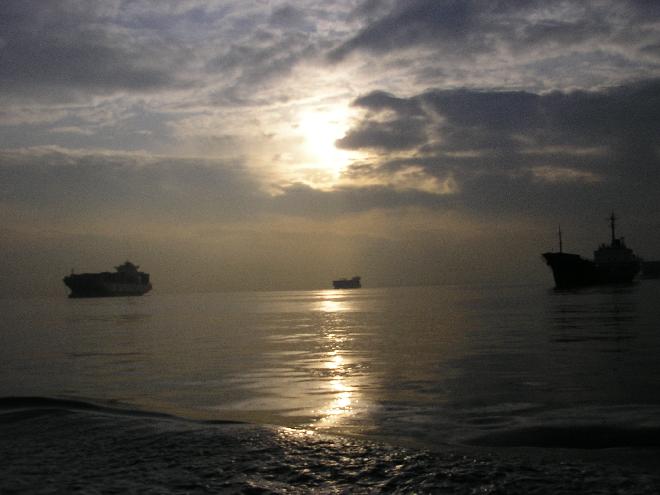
[[341, 405], [340, 380], [331, 306]]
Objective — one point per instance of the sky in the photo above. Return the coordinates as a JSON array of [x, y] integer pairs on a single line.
[[273, 145]]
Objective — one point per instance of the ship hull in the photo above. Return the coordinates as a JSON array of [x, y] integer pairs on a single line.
[[571, 270], [353, 283], [341, 285], [651, 269], [93, 286]]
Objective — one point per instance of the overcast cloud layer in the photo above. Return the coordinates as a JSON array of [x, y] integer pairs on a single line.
[[254, 144]]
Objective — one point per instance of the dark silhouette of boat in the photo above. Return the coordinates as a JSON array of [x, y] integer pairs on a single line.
[[650, 269], [345, 283], [127, 280], [613, 263]]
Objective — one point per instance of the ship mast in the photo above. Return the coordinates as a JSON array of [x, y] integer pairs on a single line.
[[612, 220], [561, 246]]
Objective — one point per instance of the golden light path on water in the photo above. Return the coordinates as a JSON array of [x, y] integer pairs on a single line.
[[340, 385]]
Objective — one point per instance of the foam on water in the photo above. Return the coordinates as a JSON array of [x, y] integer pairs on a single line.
[[64, 446]]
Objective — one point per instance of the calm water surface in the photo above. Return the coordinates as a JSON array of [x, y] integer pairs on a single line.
[[430, 366]]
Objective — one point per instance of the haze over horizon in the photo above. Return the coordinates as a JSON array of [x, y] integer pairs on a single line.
[[248, 145]]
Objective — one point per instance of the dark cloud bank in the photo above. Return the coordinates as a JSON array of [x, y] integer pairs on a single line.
[[471, 27], [556, 152]]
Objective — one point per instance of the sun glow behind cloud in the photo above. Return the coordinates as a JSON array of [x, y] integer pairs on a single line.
[[320, 128]]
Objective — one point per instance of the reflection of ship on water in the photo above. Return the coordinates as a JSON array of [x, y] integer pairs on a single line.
[[345, 283], [612, 263], [604, 316], [126, 281]]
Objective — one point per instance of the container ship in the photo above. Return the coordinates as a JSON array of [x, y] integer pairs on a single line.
[[613, 263], [127, 280], [346, 283]]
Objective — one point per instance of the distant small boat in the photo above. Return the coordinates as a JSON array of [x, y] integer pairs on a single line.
[[127, 280], [345, 283], [612, 263]]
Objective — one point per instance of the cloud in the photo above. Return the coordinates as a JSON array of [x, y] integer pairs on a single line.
[[475, 151], [290, 17], [505, 122], [84, 187], [87, 186], [248, 65], [501, 43], [395, 134], [562, 174], [506, 150], [53, 49], [470, 27], [413, 23], [305, 201]]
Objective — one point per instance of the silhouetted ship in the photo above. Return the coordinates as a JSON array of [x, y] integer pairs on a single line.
[[650, 269], [612, 264], [345, 283], [126, 281]]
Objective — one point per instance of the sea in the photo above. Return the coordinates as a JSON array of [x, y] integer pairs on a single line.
[[479, 389]]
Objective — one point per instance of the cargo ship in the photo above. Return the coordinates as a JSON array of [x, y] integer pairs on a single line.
[[346, 283], [127, 280], [650, 269], [613, 263]]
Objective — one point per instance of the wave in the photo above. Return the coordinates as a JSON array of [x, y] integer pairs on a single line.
[[33, 405], [572, 437], [50, 445], [17, 408], [592, 427], [548, 433]]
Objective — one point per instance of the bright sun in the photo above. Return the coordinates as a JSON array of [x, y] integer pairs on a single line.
[[320, 129]]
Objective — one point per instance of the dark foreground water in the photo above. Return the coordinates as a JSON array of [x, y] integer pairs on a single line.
[[432, 390]]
